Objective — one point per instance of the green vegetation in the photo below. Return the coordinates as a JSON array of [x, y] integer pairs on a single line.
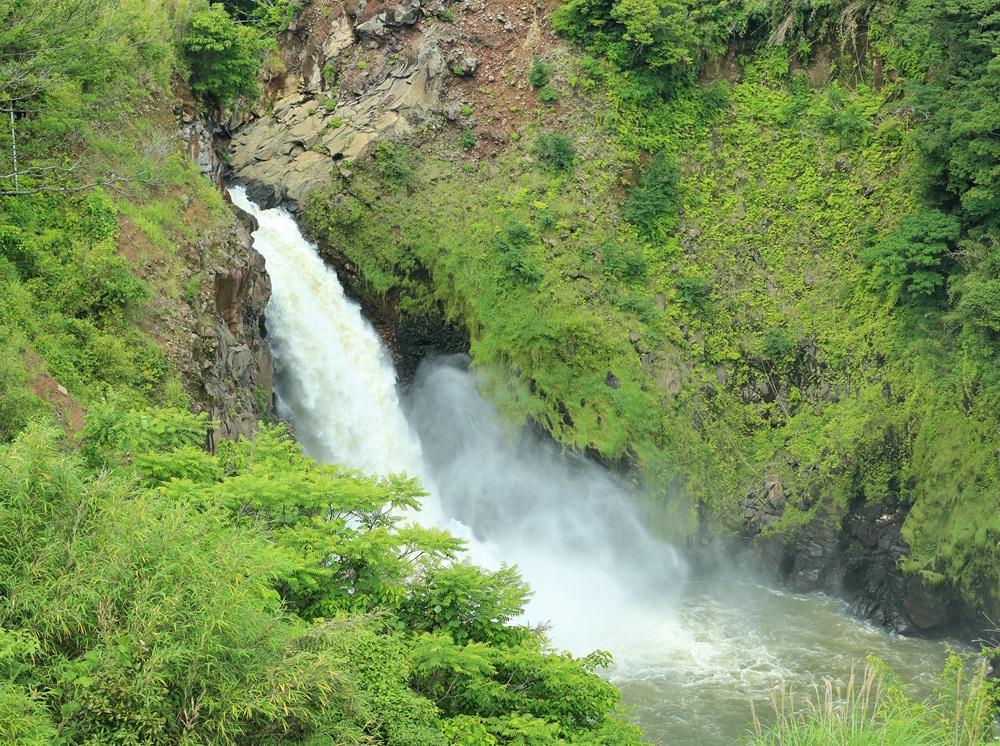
[[654, 199], [910, 261], [166, 595], [877, 710], [539, 74], [223, 55], [555, 150]]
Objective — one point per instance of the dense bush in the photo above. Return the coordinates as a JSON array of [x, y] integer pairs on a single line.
[[662, 42], [266, 598], [654, 199], [955, 84], [624, 263], [269, 15], [17, 402], [394, 162], [539, 74], [912, 260], [513, 245], [223, 56], [555, 150]]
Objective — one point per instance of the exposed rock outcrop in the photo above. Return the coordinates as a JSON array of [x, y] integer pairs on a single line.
[[216, 338], [198, 135], [855, 556], [313, 127], [231, 353]]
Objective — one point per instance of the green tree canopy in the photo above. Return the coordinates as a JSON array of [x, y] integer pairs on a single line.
[[224, 56]]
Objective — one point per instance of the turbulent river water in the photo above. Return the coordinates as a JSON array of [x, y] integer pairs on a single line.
[[690, 654]]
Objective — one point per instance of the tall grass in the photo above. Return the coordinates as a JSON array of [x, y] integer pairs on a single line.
[[875, 710]]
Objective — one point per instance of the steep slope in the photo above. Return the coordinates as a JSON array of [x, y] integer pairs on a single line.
[[704, 318]]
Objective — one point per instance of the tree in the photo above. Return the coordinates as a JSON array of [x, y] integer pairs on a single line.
[[956, 95], [911, 260], [663, 41], [224, 56], [655, 197]]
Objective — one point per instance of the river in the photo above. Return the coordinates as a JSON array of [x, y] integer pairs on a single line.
[[690, 653]]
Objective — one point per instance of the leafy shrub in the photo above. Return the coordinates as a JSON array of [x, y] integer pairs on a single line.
[[715, 97], [17, 402], [270, 16], [548, 94], [394, 162], [513, 245], [111, 430], [555, 150], [223, 56], [655, 197], [466, 603], [777, 345], [624, 263], [693, 291], [539, 74], [467, 140], [980, 302], [843, 118], [665, 38], [911, 260]]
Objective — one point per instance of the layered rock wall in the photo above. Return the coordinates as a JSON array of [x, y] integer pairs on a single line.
[[218, 341]]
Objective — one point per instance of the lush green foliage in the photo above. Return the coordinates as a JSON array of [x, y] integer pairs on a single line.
[[539, 74], [665, 37], [164, 595], [72, 298], [69, 69], [555, 150], [911, 261], [223, 55], [654, 199], [957, 44], [394, 162]]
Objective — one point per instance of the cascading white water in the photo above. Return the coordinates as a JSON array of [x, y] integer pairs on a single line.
[[688, 665], [600, 578], [334, 381]]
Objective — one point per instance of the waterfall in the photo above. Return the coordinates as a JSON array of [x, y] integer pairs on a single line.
[[600, 578], [333, 379], [568, 525]]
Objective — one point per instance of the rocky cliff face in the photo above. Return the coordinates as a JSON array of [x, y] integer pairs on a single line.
[[235, 380], [217, 340], [855, 556], [348, 78]]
